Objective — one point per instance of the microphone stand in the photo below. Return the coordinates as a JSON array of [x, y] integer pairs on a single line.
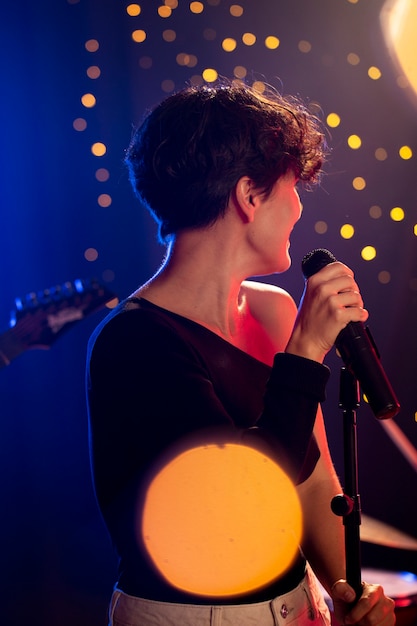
[[348, 504]]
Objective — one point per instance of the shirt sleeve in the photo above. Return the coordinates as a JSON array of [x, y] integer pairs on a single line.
[[294, 390]]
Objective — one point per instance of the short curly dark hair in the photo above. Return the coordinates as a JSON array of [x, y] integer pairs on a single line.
[[191, 150]]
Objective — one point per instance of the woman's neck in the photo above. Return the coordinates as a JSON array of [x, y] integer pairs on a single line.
[[201, 282]]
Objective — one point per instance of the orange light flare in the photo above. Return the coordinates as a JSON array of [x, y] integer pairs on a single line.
[[220, 520], [399, 26]]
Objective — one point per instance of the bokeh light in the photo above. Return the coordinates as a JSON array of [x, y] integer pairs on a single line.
[[93, 72], [374, 73], [236, 10], [259, 86], [169, 35], [381, 154], [240, 71], [91, 254], [139, 36], [406, 152], [145, 62], [249, 39], [229, 44], [359, 183], [368, 253], [79, 124], [196, 7], [99, 149], [398, 19], [168, 86], [272, 42], [321, 227], [220, 540], [210, 75], [304, 46], [354, 142], [164, 11], [102, 174], [347, 231], [384, 277], [375, 212], [88, 100], [333, 120], [397, 214], [353, 58], [104, 200], [92, 45], [133, 10]]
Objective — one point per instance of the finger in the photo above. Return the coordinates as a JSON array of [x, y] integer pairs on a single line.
[[373, 607], [343, 597], [336, 267], [380, 614], [346, 299], [349, 308], [333, 279], [342, 591], [323, 289]]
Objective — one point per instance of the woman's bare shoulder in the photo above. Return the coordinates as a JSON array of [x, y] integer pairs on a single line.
[[265, 295], [272, 307]]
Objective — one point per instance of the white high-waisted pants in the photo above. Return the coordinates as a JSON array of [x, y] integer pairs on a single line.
[[303, 606]]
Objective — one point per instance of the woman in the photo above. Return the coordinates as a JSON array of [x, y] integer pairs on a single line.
[[199, 346]]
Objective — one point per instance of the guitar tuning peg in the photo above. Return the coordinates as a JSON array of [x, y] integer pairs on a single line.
[[79, 285], [31, 299], [50, 295], [68, 288], [44, 296], [18, 304], [90, 284]]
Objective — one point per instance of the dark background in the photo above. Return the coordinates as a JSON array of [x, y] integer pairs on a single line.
[[57, 563]]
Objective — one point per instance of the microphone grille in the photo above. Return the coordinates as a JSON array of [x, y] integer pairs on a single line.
[[315, 260]]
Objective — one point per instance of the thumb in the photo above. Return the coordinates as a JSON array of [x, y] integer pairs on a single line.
[[341, 591]]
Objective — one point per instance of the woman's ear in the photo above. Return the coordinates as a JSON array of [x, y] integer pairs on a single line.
[[246, 198]]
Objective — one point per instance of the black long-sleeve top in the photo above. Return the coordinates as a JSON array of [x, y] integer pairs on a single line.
[[154, 378]]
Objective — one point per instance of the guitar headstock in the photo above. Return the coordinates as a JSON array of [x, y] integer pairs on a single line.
[[40, 318]]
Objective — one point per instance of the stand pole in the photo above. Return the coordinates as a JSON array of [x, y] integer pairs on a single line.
[[348, 505]]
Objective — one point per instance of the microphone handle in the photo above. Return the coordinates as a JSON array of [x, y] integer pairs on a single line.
[[358, 351]]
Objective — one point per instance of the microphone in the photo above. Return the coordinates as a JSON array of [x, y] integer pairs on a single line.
[[358, 350]]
